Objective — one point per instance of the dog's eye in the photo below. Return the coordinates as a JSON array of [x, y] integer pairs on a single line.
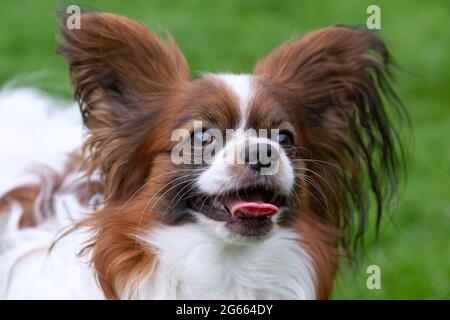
[[285, 138], [201, 138]]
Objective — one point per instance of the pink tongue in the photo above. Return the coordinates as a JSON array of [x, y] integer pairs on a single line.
[[253, 208]]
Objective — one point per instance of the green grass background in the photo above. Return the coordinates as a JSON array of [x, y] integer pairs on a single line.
[[414, 253]]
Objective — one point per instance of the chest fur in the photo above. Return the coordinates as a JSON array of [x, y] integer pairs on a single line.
[[193, 264]]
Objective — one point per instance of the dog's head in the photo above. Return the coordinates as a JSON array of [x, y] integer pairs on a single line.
[[303, 136]]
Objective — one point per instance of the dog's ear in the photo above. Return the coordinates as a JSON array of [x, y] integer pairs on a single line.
[[335, 80], [121, 74], [117, 65]]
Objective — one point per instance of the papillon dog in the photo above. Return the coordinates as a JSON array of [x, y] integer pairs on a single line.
[[169, 196]]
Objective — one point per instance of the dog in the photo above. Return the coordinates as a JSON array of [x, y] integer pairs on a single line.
[[152, 205]]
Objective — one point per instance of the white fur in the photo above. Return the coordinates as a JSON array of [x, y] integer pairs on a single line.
[[243, 86], [219, 176], [192, 260], [29, 271], [193, 263], [34, 129]]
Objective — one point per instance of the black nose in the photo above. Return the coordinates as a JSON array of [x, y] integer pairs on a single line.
[[259, 155]]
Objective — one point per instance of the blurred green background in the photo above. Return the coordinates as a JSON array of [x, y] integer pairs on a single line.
[[414, 252]]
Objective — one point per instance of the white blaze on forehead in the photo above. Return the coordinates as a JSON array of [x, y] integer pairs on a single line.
[[242, 87], [218, 177]]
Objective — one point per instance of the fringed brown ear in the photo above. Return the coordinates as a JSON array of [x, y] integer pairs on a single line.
[[116, 59], [335, 81], [121, 73]]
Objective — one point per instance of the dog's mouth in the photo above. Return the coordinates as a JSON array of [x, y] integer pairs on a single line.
[[247, 212]]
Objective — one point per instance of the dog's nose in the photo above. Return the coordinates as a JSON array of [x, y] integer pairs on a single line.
[[259, 155]]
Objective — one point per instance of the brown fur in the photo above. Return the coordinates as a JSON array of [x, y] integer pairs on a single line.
[[30, 196], [122, 74], [134, 89], [333, 81], [129, 83], [327, 81], [320, 240], [25, 196]]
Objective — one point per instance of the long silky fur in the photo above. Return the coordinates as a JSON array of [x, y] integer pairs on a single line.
[[338, 80], [335, 83]]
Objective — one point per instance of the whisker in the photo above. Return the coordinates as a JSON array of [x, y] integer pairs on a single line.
[[320, 176], [319, 161], [165, 192], [150, 180], [312, 195], [176, 196], [143, 211], [160, 189]]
